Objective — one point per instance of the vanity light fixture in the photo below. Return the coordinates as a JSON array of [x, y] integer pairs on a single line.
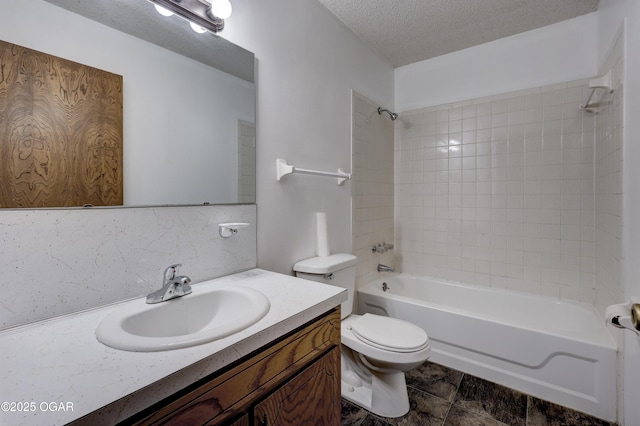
[[204, 15], [220, 8], [197, 28], [162, 11]]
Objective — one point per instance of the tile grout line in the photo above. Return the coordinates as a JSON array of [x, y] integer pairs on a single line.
[[444, 421]]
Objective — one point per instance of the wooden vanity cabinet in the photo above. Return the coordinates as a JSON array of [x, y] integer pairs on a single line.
[[311, 397], [292, 381]]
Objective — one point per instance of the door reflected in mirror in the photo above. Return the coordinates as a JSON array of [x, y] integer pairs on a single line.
[[60, 132]]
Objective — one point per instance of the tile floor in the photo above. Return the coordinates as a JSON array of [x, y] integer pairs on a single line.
[[445, 397]]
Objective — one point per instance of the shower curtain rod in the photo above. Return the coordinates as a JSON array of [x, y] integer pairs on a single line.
[[603, 82]]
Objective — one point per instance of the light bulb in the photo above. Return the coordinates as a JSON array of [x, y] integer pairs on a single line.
[[162, 11], [197, 28], [220, 8]]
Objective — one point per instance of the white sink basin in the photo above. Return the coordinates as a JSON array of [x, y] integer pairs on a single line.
[[209, 313]]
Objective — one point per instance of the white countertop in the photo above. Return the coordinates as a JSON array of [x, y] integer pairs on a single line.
[[56, 371]]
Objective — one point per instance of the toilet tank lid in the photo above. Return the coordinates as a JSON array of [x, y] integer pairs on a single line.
[[325, 264]]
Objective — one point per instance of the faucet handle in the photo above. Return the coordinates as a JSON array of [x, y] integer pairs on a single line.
[[171, 272], [182, 280], [181, 285]]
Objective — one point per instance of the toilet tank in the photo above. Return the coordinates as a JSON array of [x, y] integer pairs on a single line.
[[338, 270]]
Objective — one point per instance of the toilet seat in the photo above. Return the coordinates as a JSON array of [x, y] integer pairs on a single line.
[[375, 354], [390, 334]]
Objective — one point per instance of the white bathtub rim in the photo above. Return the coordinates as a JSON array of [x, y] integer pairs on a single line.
[[601, 337]]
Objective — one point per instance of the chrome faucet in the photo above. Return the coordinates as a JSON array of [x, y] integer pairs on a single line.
[[384, 268], [173, 286]]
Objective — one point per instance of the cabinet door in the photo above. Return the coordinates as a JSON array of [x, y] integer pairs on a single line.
[[310, 398], [242, 421]]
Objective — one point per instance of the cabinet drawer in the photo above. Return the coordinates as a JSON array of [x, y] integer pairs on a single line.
[[226, 395]]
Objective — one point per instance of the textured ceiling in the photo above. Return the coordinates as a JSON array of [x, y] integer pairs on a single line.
[[407, 31]]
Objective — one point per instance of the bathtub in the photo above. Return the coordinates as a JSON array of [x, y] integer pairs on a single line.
[[554, 350]]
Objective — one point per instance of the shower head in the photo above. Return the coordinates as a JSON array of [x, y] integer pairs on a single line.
[[393, 115]]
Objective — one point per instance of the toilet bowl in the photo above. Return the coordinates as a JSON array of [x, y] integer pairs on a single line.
[[376, 350]]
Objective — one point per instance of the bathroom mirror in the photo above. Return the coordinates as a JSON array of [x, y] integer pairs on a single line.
[[189, 99]]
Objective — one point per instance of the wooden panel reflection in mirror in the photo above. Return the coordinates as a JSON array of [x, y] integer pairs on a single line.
[[60, 132]]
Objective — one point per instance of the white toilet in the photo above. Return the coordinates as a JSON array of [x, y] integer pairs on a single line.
[[376, 350]]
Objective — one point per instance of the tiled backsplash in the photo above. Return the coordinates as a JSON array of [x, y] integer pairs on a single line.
[[499, 192], [60, 261]]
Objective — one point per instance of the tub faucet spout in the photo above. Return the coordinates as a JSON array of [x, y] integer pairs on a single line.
[[384, 268]]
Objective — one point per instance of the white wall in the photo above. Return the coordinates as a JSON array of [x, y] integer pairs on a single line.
[[308, 63], [553, 54], [175, 135], [611, 15]]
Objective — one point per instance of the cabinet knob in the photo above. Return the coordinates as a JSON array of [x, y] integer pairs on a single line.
[[265, 420]]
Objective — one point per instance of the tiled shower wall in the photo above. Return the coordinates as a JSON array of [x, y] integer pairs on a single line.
[[372, 187], [520, 191], [608, 185], [499, 192], [246, 162]]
